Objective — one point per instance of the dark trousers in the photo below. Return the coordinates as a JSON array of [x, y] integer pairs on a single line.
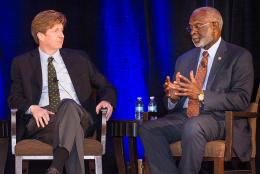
[[64, 130], [194, 133]]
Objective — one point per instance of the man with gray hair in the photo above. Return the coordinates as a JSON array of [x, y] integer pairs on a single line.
[[210, 79]]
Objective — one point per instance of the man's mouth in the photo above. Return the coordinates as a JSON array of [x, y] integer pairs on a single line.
[[195, 39]]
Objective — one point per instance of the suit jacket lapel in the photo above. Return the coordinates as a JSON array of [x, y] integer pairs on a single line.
[[218, 61], [36, 67], [195, 61], [71, 68]]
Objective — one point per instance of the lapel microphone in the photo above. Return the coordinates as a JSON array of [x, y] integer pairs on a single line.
[[55, 80]]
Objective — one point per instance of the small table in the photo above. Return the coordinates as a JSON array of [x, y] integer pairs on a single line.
[[120, 129], [3, 144], [129, 129]]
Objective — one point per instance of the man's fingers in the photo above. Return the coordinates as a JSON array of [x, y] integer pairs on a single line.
[[37, 122], [167, 88], [171, 92], [181, 85], [98, 108], [50, 113], [184, 79], [168, 79], [41, 122], [47, 115], [46, 119], [109, 112], [192, 77], [171, 85], [183, 90], [178, 76], [182, 94]]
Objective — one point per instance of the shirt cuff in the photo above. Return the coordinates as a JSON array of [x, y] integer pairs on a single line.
[[171, 105], [29, 110]]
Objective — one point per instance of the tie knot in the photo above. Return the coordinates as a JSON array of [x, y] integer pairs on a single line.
[[205, 54], [50, 59]]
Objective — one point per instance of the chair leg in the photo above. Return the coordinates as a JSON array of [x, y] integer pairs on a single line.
[[218, 165], [25, 166], [98, 164], [146, 167], [252, 165], [91, 167], [18, 165]]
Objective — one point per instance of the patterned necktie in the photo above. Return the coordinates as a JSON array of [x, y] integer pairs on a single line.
[[194, 105], [53, 88]]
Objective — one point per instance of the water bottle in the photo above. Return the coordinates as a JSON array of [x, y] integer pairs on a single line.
[[152, 109], [139, 109]]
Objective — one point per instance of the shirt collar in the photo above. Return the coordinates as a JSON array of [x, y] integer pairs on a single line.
[[56, 56], [213, 49]]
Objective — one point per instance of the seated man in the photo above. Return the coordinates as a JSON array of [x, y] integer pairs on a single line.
[[197, 101], [51, 88]]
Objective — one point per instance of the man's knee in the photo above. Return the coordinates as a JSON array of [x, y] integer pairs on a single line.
[[192, 128], [146, 129], [151, 129], [68, 108]]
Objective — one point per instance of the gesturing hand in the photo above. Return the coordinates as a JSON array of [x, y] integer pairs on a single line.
[[189, 88], [41, 115], [170, 88]]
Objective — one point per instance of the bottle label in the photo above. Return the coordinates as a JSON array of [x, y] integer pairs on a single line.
[[152, 109], [139, 109]]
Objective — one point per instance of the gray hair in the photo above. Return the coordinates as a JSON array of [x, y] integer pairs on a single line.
[[212, 13]]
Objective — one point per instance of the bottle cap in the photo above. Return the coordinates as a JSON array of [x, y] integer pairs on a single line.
[[139, 98], [151, 97]]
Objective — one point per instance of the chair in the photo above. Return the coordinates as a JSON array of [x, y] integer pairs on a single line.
[[220, 151], [29, 149]]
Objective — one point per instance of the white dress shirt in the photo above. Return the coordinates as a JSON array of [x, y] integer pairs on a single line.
[[66, 87]]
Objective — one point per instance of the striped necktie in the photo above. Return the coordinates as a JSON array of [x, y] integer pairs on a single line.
[[194, 105]]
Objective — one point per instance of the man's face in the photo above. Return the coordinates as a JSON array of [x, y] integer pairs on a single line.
[[201, 31], [53, 38]]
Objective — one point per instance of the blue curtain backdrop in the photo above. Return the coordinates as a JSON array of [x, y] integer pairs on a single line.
[[122, 42], [10, 22]]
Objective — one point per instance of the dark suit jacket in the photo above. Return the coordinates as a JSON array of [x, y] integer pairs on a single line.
[[26, 75], [229, 88]]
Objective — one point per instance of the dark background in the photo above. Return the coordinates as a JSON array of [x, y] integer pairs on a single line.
[[133, 42]]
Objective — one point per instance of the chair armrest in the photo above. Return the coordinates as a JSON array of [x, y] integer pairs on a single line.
[[229, 117], [103, 129], [13, 129]]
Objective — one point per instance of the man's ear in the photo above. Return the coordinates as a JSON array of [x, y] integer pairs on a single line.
[[216, 26], [40, 36]]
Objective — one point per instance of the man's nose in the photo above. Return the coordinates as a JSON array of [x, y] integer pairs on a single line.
[[193, 31], [61, 34]]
